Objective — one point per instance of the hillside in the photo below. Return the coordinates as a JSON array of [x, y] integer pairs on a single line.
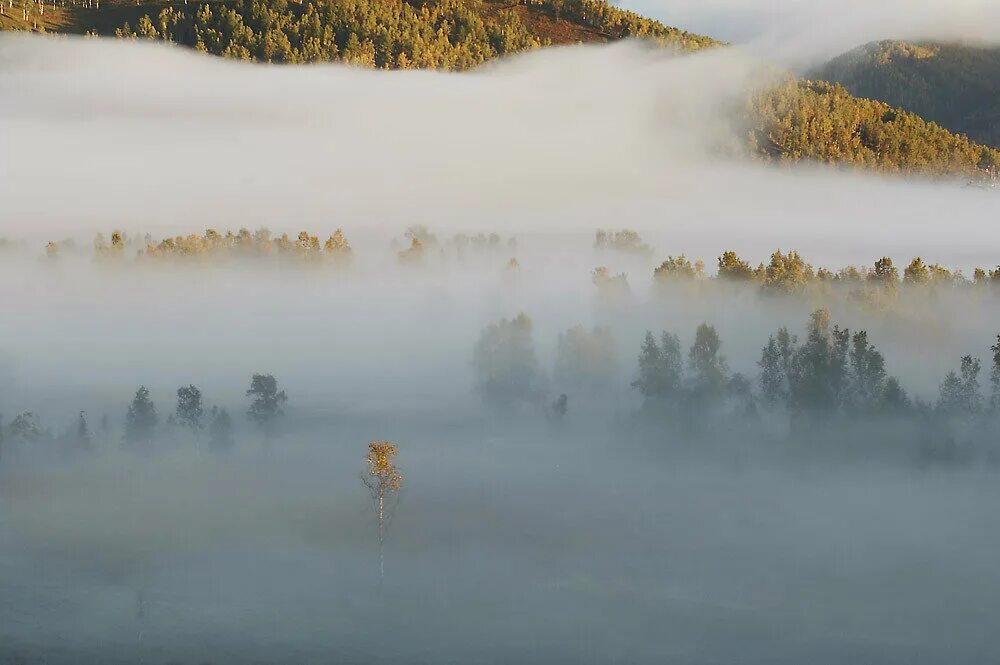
[[796, 121], [820, 121], [954, 85]]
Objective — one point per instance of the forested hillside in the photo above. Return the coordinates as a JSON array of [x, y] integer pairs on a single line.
[[822, 121], [955, 85], [795, 121]]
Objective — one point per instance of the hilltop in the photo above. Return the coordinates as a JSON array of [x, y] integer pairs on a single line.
[[954, 85], [799, 120]]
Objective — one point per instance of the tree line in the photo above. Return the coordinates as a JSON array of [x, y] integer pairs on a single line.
[[784, 272], [829, 375], [144, 430], [262, 243]]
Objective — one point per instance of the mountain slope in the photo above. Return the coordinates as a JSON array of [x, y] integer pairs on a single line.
[[820, 121], [955, 85]]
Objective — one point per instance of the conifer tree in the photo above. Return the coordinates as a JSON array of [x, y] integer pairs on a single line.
[[140, 420]]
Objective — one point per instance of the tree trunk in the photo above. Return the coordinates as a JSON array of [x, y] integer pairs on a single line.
[[381, 530]]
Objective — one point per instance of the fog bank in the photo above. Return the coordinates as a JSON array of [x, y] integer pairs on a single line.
[[101, 134]]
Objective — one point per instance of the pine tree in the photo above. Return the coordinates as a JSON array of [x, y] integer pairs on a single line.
[[141, 419]]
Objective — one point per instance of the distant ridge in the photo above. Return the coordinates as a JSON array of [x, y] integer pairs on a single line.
[[954, 85]]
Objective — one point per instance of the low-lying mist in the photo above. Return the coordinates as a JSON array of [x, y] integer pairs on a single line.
[[569, 492]]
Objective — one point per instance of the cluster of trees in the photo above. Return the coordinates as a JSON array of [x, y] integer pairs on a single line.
[[390, 34], [396, 34], [34, 15], [623, 240], [789, 272], [819, 121], [214, 245], [142, 428], [831, 373]]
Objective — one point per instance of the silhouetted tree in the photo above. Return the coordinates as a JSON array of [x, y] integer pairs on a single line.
[[83, 436], [661, 369], [189, 410], [819, 367], [708, 366], [141, 419], [775, 367], [25, 428], [894, 399], [867, 381], [265, 408], [959, 392]]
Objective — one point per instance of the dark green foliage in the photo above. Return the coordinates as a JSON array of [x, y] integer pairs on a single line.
[[661, 369], [959, 392], [894, 399], [868, 377], [775, 367], [831, 372], [819, 368]]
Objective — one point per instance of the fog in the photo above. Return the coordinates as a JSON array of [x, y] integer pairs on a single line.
[[606, 534], [806, 32]]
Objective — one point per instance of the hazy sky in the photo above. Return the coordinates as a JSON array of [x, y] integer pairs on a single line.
[[806, 29]]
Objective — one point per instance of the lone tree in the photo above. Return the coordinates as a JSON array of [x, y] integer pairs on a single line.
[[83, 435], [383, 481], [267, 400], [140, 421], [189, 408]]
